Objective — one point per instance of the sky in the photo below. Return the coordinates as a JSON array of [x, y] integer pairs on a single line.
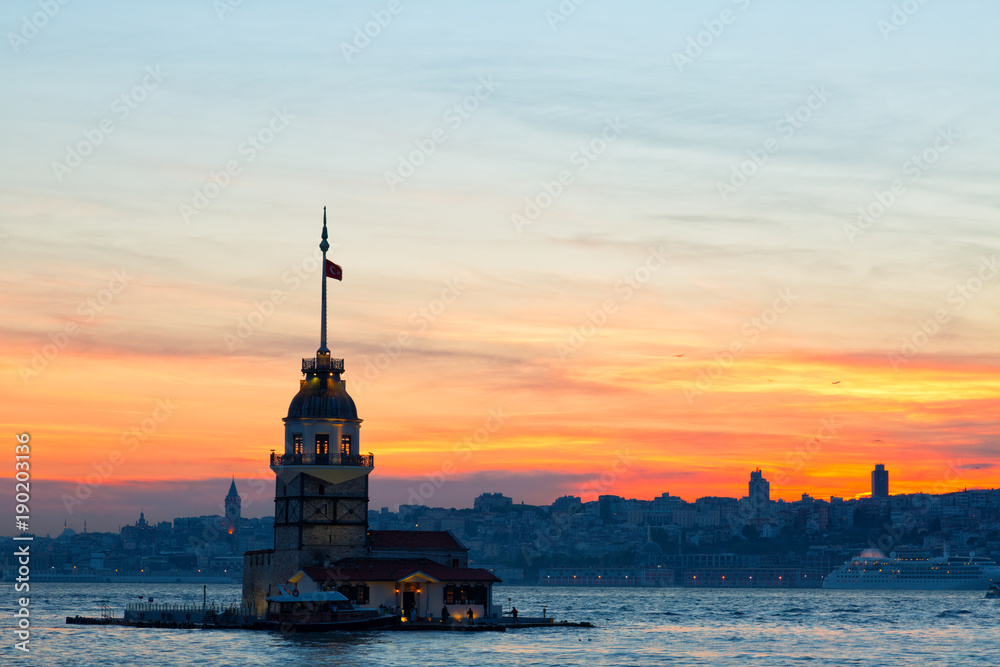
[[588, 247]]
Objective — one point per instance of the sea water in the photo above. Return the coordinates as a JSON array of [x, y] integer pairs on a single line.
[[667, 626]]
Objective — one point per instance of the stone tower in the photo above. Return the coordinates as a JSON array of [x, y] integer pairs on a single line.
[[234, 505], [321, 490]]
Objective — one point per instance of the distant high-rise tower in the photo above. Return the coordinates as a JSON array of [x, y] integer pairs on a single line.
[[760, 489], [880, 482], [234, 505]]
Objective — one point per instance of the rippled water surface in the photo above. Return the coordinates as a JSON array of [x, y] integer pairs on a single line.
[[634, 627]]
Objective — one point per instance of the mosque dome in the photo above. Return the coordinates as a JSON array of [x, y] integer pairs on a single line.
[[651, 553]]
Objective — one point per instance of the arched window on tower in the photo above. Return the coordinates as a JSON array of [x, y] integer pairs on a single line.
[[297, 444], [322, 444], [345, 445]]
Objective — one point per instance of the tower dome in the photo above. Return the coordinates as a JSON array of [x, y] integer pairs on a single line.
[[322, 394]]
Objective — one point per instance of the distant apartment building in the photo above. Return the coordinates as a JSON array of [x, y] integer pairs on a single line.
[[880, 482], [760, 489], [567, 504], [487, 502]]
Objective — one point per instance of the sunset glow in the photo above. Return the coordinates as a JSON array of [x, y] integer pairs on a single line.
[[640, 335]]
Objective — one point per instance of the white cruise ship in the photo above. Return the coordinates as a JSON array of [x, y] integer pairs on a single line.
[[871, 569]]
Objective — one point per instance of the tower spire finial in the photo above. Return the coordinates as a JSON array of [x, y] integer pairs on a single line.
[[324, 246]]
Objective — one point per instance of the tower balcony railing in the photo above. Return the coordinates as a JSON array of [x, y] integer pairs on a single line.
[[362, 461], [320, 363]]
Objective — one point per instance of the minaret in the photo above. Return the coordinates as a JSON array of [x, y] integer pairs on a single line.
[[321, 490], [234, 505]]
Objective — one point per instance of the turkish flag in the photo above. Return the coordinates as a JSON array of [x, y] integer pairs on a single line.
[[334, 271]]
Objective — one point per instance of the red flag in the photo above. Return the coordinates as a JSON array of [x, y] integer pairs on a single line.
[[334, 271]]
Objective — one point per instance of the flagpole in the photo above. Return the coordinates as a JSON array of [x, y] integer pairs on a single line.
[[324, 246]]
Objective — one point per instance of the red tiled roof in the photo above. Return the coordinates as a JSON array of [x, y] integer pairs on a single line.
[[396, 569], [410, 540]]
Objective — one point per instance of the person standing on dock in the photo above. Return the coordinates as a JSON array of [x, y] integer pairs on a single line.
[[444, 614], [471, 615], [513, 613]]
